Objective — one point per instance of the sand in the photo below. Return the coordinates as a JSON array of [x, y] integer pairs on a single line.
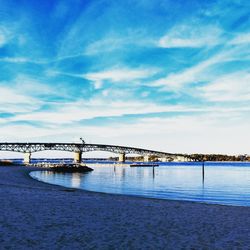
[[36, 215]]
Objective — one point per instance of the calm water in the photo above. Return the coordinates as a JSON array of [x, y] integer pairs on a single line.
[[224, 183]]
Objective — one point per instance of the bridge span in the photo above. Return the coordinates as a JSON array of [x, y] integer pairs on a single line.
[[79, 148]]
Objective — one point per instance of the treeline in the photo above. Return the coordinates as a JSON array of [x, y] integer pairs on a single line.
[[136, 158], [219, 157], [192, 157]]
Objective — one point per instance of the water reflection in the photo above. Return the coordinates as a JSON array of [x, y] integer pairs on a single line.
[[76, 180], [203, 172], [224, 184]]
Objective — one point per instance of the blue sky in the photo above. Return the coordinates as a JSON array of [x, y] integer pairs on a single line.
[[165, 75]]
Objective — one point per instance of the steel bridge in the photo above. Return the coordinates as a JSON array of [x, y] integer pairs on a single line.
[[79, 148]]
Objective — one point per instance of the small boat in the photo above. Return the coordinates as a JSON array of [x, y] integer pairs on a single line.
[[144, 165]]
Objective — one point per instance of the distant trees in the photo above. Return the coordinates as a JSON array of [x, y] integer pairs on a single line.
[[194, 157], [219, 157]]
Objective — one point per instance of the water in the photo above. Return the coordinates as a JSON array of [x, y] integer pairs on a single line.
[[224, 183]]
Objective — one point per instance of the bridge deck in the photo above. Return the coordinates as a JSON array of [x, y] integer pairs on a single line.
[[32, 147]]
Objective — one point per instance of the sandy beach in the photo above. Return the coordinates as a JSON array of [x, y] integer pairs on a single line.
[[36, 215]]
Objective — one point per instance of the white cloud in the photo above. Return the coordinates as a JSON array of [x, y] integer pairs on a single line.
[[72, 113], [22, 60], [11, 96], [230, 88], [14, 59], [68, 113], [11, 101], [105, 45], [33, 87], [203, 133], [4, 35], [21, 95], [121, 74], [201, 72], [241, 39], [98, 84], [2, 40], [114, 42], [193, 74], [194, 35], [22, 132], [207, 133], [115, 75]]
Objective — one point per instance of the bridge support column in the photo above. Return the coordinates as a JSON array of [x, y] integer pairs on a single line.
[[122, 157], [146, 158], [78, 157], [27, 157]]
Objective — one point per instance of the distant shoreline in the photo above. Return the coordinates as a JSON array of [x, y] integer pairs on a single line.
[[45, 160]]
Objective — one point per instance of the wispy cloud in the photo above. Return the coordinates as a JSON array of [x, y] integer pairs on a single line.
[[175, 81], [116, 42], [69, 113], [5, 35], [204, 71], [241, 39], [118, 74], [194, 35], [12, 101], [14, 59], [230, 88]]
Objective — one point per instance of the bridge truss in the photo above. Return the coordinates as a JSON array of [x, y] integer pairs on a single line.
[[80, 147]]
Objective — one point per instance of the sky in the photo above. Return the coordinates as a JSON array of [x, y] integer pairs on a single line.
[[164, 75]]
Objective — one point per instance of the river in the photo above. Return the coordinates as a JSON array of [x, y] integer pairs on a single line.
[[223, 183]]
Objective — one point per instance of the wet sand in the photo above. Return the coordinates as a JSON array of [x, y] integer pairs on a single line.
[[36, 215]]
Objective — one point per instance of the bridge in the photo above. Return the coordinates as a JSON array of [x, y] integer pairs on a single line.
[[79, 148]]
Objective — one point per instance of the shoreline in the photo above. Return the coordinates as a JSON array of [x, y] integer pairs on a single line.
[[35, 214]]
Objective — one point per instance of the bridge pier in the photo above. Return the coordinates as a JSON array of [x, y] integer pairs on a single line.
[[78, 157], [122, 157], [27, 157], [146, 158]]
